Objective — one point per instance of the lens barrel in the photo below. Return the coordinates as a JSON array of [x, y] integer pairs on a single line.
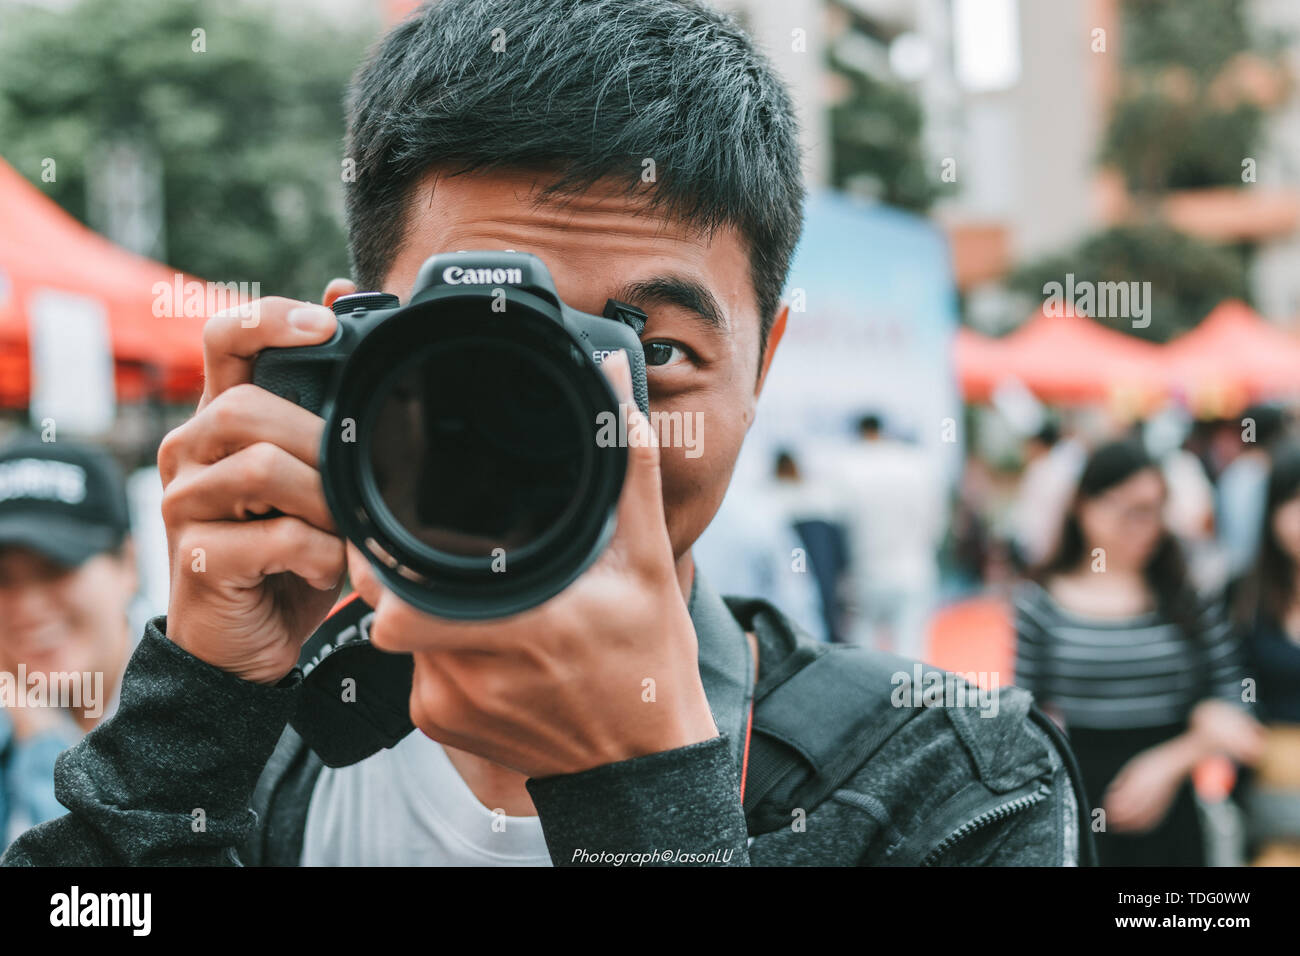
[[461, 451]]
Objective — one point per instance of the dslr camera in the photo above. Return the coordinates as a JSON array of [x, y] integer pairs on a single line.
[[460, 450]]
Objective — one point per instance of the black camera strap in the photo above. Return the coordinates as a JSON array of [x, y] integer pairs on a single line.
[[355, 698]]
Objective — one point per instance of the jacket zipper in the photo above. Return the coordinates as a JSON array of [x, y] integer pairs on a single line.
[[995, 815]]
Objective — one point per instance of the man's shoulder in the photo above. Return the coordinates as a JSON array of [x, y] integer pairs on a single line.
[[898, 754]]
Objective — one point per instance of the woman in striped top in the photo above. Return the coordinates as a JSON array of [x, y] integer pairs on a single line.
[[1144, 676]]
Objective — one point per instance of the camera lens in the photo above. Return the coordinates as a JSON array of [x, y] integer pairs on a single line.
[[463, 457], [479, 448]]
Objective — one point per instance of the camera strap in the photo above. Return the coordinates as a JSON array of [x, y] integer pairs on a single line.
[[355, 698]]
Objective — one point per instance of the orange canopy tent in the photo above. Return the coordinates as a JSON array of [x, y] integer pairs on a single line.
[[1232, 357], [1063, 358], [42, 248]]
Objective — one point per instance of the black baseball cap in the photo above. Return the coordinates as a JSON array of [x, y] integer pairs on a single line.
[[63, 499]]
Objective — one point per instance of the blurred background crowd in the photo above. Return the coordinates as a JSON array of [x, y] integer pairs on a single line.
[[1033, 419]]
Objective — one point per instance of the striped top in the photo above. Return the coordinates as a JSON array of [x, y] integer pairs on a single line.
[[1122, 673]]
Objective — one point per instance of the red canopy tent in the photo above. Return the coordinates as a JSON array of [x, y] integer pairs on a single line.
[[1232, 357], [1060, 358], [43, 248]]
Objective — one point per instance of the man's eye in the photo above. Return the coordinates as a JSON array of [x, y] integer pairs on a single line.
[[663, 353]]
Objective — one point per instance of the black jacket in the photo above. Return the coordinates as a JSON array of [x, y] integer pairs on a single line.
[[198, 767]]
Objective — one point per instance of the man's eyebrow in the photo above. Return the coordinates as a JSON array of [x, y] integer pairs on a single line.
[[679, 291]]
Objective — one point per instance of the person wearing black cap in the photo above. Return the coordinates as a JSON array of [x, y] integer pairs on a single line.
[[67, 577]]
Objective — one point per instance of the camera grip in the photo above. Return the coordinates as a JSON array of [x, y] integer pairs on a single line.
[[640, 390], [292, 375]]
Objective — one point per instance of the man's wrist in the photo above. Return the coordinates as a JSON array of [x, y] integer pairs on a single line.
[[267, 677], [691, 723], [675, 807]]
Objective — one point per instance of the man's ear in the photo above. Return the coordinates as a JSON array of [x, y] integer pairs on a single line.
[[774, 336], [336, 289]]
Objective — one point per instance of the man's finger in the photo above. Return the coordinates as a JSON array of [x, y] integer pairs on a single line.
[[244, 553], [232, 339], [641, 525], [362, 576], [618, 372], [336, 289], [239, 417], [254, 481], [398, 627]]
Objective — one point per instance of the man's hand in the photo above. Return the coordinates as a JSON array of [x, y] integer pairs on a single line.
[[1224, 728], [605, 671], [1143, 790], [1141, 793], [248, 590]]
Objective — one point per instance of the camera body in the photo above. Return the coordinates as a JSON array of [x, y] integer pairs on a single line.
[[460, 450], [305, 375]]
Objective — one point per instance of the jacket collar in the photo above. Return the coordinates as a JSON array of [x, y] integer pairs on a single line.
[[726, 668]]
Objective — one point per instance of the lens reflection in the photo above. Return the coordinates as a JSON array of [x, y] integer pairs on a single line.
[[477, 445]]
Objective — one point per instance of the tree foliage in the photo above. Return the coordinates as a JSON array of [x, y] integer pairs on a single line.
[[1170, 127], [1188, 277], [876, 143], [247, 129]]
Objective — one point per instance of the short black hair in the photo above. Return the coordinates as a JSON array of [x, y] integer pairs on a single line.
[[869, 423], [1270, 423], [785, 463], [590, 89], [1049, 434]]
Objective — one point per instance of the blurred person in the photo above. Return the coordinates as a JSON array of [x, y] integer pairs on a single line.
[[895, 514], [970, 539], [1189, 511], [1201, 437], [67, 578], [1052, 465], [1189, 516], [584, 766], [1269, 610], [808, 507], [1144, 675], [1189, 506], [750, 547], [1242, 487]]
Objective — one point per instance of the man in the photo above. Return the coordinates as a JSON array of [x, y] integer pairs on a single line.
[[1243, 485], [611, 719], [752, 547], [896, 510], [67, 577], [809, 506], [1052, 466]]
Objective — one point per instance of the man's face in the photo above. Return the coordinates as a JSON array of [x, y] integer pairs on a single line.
[[54, 618], [703, 327]]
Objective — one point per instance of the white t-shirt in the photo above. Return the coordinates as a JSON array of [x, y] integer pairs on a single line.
[[408, 806]]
